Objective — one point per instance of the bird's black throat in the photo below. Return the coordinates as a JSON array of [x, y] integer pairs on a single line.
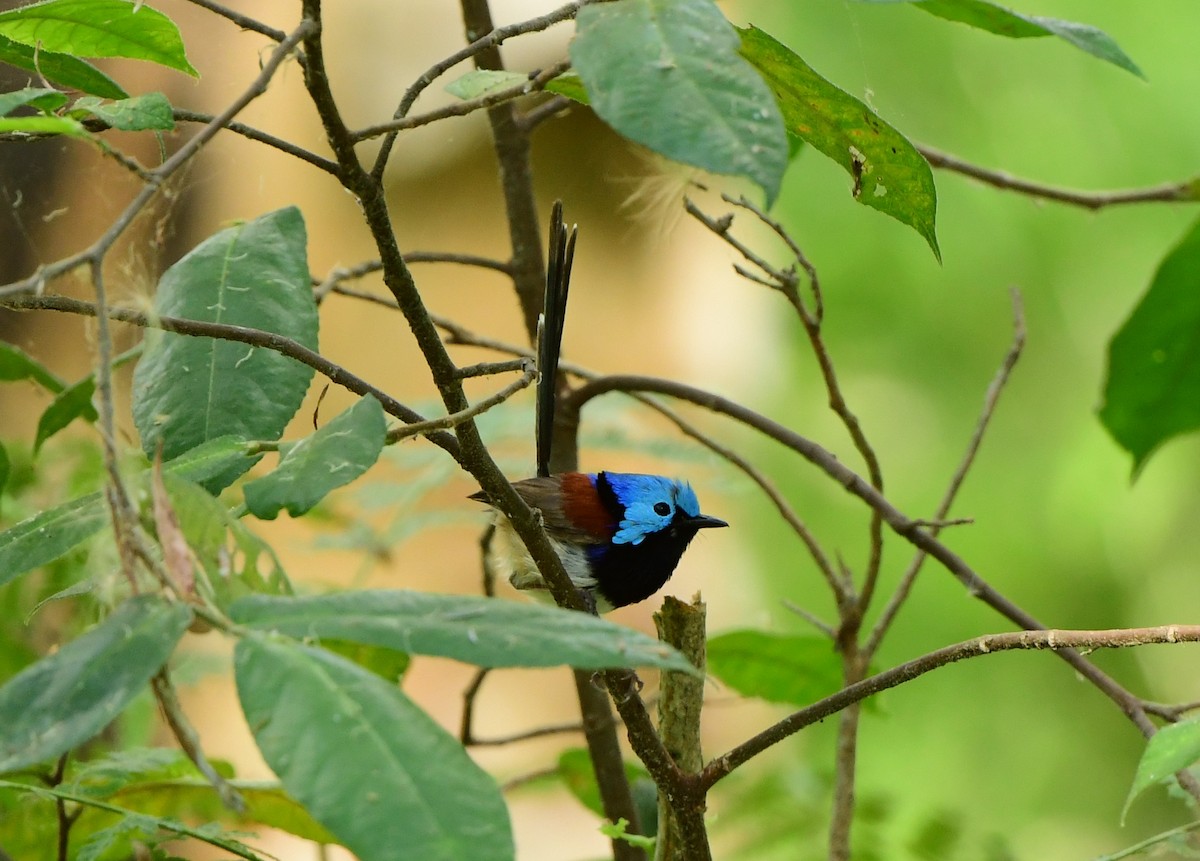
[[628, 573]]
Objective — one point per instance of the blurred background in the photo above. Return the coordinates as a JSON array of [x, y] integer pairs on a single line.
[[1007, 756]]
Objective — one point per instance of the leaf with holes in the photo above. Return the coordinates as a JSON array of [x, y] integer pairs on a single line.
[[889, 174], [188, 390]]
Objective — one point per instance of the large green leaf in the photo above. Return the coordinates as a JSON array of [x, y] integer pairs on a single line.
[[189, 390], [98, 28], [1153, 389], [333, 456], [1173, 748], [889, 174], [780, 668], [67, 697], [401, 783], [61, 69], [1004, 22], [482, 631], [667, 74]]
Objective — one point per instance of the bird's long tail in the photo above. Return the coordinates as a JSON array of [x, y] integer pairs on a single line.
[[550, 330]]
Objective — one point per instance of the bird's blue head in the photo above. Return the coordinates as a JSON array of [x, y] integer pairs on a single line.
[[653, 503]]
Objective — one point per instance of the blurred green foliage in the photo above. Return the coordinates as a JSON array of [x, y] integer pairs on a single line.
[[1016, 744]]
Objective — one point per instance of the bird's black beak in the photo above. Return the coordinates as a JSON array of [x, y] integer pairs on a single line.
[[703, 521]]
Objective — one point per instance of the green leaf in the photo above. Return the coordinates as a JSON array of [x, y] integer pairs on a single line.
[[780, 668], [204, 833], [42, 98], [195, 799], [106, 776], [400, 779], [50, 534], [141, 113], [98, 28], [333, 456], [480, 82], [72, 403], [1153, 388], [43, 125], [569, 84], [389, 664], [189, 390], [667, 74], [67, 697], [1173, 748], [889, 174], [577, 774], [481, 631], [1004, 22], [16, 365], [212, 458], [119, 838], [61, 69]]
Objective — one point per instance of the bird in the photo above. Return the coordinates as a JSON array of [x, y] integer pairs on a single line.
[[619, 535]]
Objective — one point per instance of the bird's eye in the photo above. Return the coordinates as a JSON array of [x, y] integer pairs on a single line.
[[662, 509]]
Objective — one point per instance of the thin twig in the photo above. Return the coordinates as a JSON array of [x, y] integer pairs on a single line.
[[459, 334], [466, 733], [243, 21], [990, 400], [899, 523], [459, 109], [1060, 641], [185, 734], [246, 335], [259, 136], [455, 419], [1169, 193], [36, 282], [483, 43]]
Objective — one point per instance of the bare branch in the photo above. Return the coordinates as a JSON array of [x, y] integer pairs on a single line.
[[535, 84], [483, 43], [36, 282], [1064, 642], [1170, 193], [243, 21], [255, 337], [455, 419]]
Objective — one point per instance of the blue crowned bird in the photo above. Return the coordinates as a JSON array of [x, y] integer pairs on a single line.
[[619, 535]]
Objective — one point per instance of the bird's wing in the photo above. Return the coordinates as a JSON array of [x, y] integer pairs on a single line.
[[545, 493]]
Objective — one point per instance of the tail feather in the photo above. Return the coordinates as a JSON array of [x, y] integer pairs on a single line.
[[550, 330]]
